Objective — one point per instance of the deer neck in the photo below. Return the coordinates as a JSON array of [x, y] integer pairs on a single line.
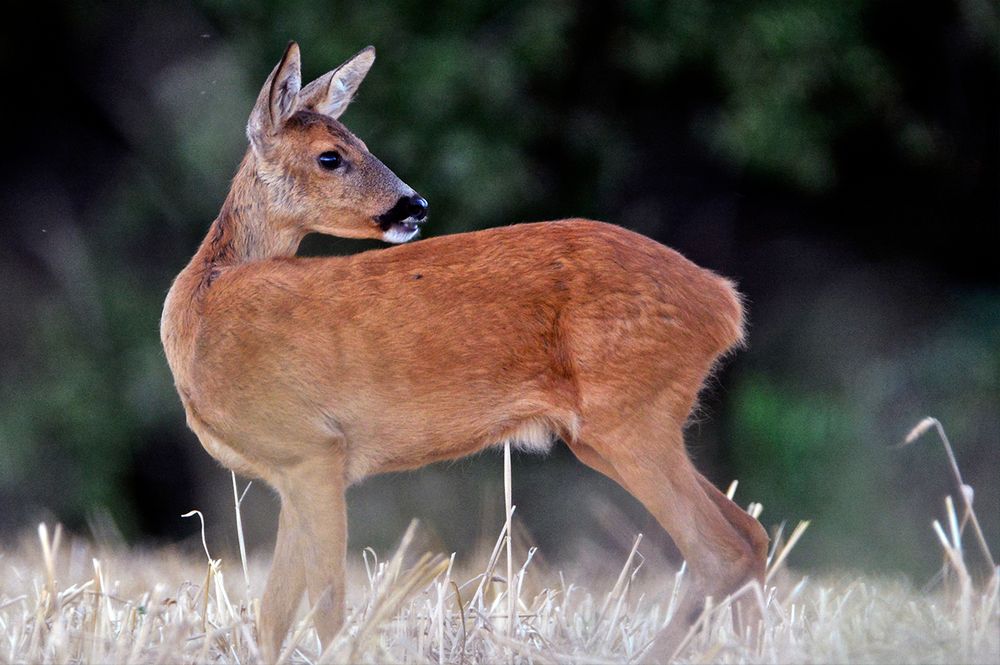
[[247, 228], [244, 232]]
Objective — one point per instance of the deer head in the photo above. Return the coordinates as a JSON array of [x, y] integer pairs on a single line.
[[316, 175]]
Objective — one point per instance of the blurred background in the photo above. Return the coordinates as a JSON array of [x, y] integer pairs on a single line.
[[838, 159]]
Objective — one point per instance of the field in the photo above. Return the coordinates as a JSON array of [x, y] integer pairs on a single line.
[[65, 600]]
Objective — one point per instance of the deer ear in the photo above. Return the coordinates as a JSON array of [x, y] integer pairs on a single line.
[[278, 99], [331, 93]]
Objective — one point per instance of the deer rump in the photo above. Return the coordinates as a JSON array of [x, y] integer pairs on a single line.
[[439, 348]]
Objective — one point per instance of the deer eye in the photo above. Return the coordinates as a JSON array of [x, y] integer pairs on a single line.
[[330, 160]]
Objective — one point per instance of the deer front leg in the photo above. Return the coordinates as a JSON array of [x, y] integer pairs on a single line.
[[285, 585], [315, 490]]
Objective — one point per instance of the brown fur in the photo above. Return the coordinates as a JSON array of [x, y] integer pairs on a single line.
[[315, 373]]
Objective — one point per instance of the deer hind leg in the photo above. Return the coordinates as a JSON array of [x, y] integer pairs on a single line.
[[314, 489], [747, 610], [285, 584], [740, 520], [749, 527], [646, 455], [593, 459]]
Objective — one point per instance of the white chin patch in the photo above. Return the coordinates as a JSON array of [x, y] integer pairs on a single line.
[[399, 233]]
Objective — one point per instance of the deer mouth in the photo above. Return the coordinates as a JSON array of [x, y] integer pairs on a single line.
[[400, 232], [405, 226], [402, 222]]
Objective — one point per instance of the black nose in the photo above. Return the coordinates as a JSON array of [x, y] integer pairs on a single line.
[[417, 207], [408, 207]]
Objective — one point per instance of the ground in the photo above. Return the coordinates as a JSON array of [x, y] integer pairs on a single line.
[[65, 600]]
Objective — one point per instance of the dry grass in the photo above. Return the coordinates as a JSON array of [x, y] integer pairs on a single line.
[[67, 602]]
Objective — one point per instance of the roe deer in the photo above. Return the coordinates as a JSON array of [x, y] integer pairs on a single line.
[[313, 373]]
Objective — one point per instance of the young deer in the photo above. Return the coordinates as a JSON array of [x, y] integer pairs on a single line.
[[313, 373]]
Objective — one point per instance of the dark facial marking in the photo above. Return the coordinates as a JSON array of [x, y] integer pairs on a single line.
[[408, 207]]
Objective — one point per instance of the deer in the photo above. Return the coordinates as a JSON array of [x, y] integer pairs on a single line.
[[313, 373]]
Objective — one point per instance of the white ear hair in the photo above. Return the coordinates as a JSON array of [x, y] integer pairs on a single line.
[[331, 93], [278, 98]]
